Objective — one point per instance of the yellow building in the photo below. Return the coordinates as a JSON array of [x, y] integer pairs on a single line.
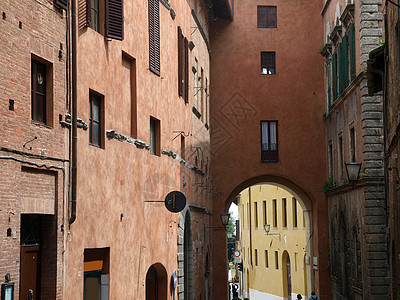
[[274, 263]]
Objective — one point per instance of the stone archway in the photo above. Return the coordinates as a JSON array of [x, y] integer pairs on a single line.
[[303, 200], [185, 255]]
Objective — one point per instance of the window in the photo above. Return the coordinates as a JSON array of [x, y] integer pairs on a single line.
[[154, 36], [266, 16], [266, 259], [330, 153], [256, 256], [276, 260], [201, 90], [183, 66], [255, 215], [269, 141], [104, 16], [195, 80], [294, 203], [284, 213], [275, 214], [268, 63], [96, 273], [95, 119], [41, 92], [340, 158], [183, 146], [155, 137], [352, 144], [265, 220]]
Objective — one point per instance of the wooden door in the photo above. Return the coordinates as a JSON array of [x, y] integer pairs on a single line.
[[29, 272]]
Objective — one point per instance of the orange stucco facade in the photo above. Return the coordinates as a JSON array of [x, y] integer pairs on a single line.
[[242, 97], [119, 181]]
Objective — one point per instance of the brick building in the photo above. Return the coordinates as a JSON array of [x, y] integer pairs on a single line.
[[33, 147], [353, 118]]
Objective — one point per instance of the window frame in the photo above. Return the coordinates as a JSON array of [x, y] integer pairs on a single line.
[[268, 62], [269, 155], [100, 122], [267, 11]]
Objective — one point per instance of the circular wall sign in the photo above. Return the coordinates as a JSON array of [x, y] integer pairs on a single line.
[[236, 253], [175, 201]]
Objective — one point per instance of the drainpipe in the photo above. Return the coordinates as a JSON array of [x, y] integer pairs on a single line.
[[385, 129], [74, 117]]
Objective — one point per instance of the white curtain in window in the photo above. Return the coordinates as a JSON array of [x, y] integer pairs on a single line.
[[264, 136], [272, 128]]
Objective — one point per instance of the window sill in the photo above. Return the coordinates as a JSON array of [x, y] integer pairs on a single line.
[[40, 124], [96, 146]]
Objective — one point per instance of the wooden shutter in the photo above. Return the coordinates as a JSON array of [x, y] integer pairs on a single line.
[[84, 13], [180, 62], [352, 54], [334, 75], [115, 19], [63, 4], [154, 36], [186, 65], [345, 62]]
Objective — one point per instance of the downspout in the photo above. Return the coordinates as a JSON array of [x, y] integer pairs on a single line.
[[74, 117], [385, 129]]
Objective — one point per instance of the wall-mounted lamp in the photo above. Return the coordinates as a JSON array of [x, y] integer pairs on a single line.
[[353, 171], [267, 228], [224, 221]]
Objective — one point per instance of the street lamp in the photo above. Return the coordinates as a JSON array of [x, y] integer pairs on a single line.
[[224, 220], [353, 171], [267, 228]]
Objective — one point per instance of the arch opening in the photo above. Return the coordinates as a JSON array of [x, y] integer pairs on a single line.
[[156, 282]]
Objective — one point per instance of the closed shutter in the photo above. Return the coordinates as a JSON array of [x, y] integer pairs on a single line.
[[352, 54], [63, 4], [180, 62], [341, 64], [115, 19], [334, 75], [154, 36], [186, 66], [84, 13], [345, 62], [328, 79]]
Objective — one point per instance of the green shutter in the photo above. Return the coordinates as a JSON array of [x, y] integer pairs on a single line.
[[334, 75], [352, 53], [328, 79], [341, 65], [345, 62]]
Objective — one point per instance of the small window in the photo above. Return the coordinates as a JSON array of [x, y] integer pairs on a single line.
[[294, 203], [284, 213], [352, 144], [269, 141], [256, 257], [266, 259], [255, 215], [275, 213], [41, 92], [276, 260], [340, 158], [268, 63], [266, 16], [95, 119], [183, 146], [183, 66], [330, 153], [155, 148], [265, 212], [96, 273]]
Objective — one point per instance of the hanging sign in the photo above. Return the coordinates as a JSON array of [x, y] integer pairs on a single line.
[[175, 201]]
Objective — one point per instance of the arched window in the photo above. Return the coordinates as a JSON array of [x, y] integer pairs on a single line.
[[156, 283]]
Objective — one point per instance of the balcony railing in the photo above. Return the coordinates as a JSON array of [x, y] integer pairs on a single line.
[[269, 153]]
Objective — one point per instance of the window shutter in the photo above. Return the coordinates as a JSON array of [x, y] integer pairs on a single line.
[[352, 54], [180, 62], [88, 13], [186, 65], [345, 62], [63, 4], [341, 64], [334, 75], [115, 19], [154, 36], [84, 15]]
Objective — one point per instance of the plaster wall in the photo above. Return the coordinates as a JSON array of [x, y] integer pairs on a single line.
[[242, 97], [119, 177]]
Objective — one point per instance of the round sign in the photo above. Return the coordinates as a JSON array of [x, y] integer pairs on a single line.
[[175, 201], [236, 253]]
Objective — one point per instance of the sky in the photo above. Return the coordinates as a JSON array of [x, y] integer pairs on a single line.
[[234, 211]]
